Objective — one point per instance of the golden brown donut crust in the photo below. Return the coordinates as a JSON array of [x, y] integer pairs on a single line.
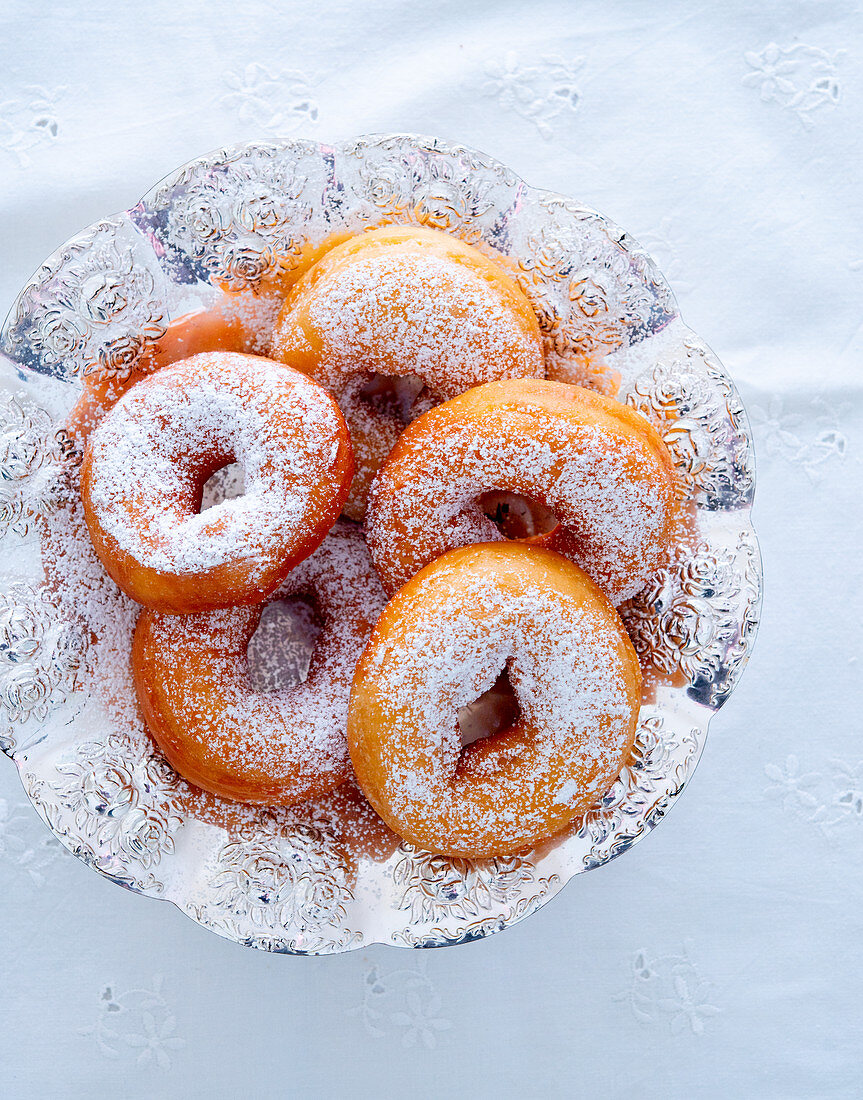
[[146, 463], [191, 675], [439, 644], [597, 464]]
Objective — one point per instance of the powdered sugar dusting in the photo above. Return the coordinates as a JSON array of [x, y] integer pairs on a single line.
[[216, 408], [423, 315], [613, 501], [87, 594], [296, 737], [255, 314], [566, 670]]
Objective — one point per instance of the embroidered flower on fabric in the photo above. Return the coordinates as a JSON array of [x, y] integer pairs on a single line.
[[25, 842], [420, 1020], [848, 796], [831, 799], [402, 999], [668, 991], [788, 436], [687, 1006], [799, 78], [28, 120], [282, 101], [842, 805], [792, 786], [539, 92], [137, 1025]]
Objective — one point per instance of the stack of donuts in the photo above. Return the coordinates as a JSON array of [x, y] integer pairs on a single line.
[[464, 526]]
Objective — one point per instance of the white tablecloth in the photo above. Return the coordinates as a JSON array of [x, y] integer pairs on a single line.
[[721, 957]]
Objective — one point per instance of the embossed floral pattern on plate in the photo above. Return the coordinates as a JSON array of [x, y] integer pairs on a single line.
[[235, 221]]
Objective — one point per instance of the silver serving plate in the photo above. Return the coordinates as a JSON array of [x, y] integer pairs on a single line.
[[223, 228]]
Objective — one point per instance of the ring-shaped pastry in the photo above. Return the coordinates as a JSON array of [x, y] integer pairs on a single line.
[[441, 642], [599, 466], [148, 460], [224, 734]]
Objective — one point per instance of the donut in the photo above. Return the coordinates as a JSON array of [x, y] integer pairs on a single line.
[[598, 466], [216, 728], [406, 303], [441, 642], [146, 464]]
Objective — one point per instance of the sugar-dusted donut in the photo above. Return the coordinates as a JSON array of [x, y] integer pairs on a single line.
[[404, 302], [596, 464], [219, 732], [441, 642], [146, 463]]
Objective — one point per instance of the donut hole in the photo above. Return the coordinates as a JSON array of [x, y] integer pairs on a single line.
[[227, 483], [495, 710], [394, 396], [281, 648], [517, 516]]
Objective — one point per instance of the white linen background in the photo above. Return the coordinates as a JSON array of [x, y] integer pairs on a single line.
[[722, 955]]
